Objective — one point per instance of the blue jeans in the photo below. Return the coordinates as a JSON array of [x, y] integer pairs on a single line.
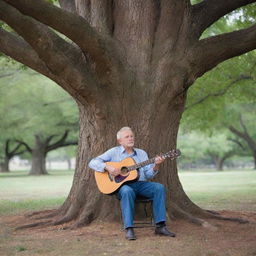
[[152, 190]]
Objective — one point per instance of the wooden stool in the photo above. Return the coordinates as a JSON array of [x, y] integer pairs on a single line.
[[146, 202]]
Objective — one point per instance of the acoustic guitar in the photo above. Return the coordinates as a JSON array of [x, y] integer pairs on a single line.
[[108, 184]]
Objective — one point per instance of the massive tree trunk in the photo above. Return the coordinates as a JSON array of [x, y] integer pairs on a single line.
[[131, 64], [154, 131]]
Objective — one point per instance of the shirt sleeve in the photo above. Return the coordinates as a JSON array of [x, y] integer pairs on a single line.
[[148, 169], [98, 163]]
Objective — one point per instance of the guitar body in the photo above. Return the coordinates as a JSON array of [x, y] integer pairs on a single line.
[[108, 184]]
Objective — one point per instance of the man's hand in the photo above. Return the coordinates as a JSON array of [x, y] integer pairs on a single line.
[[112, 170], [158, 161]]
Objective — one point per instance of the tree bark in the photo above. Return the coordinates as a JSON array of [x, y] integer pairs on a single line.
[[4, 166], [38, 153], [9, 154], [131, 65]]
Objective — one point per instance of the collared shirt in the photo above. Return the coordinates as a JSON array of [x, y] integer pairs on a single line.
[[118, 154]]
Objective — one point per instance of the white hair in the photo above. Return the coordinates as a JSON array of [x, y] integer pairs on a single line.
[[119, 133]]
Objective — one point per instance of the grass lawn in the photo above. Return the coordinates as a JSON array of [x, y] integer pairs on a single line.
[[20, 192], [233, 190]]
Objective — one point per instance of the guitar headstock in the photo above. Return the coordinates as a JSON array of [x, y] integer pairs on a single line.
[[174, 153]]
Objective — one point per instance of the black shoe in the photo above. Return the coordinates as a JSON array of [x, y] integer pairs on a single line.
[[163, 231], [130, 234]]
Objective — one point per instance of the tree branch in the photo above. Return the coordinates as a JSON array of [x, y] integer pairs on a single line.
[[14, 151], [25, 144], [46, 43], [58, 143], [48, 140], [73, 26], [219, 93], [209, 52], [209, 11], [243, 125], [237, 142], [62, 59], [251, 143], [15, 47]]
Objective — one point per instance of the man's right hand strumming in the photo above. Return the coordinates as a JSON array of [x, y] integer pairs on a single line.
[[112, 170]]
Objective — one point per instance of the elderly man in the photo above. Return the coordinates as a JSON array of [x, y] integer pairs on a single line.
[[142, 187]]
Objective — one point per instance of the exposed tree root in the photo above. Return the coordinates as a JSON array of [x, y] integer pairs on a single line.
[[239, 220], [39, 212], [213, 212], [187, 216], [67, 218], [85, 219], [47, 216], [86, 216], [36, 224], [208, 215]]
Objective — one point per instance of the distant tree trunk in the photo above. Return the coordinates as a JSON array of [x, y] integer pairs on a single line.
[[10, 153], [220, 160], [4, 166], [131, 63], [38, 166], [42, 146], [220, 163]]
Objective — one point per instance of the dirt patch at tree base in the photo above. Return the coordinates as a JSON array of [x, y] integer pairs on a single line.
[[227, 238]]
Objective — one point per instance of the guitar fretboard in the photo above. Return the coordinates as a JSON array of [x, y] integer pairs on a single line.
[[136, 166], [174, 154]]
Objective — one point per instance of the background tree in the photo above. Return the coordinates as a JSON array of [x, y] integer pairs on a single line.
[[130, 62], [243, 127], [9, 119], [229, 96], [37, 120], [205, 149]]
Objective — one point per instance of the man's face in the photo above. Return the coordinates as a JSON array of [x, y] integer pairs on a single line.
[[127, 139]]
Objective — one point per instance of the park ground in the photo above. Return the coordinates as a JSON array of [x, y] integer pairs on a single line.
[[232, 193]]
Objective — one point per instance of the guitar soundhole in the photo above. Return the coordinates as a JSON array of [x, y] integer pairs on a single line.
[[120, 178], [124, 170]]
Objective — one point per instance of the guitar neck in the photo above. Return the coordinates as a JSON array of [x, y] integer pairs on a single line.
[[173, 154], [139, 165]]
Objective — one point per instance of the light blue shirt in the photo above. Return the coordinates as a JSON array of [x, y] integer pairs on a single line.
[[118, 154]]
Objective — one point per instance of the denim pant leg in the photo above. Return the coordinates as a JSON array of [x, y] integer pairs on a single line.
[[157, 193], [127, 199]]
